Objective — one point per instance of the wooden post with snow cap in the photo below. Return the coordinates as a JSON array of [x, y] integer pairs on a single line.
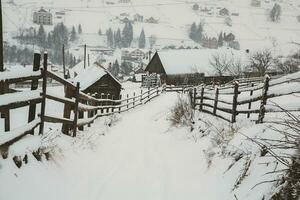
[[34, 86], [263, 101], [44, 91], [76, 109], [216, 101], [201, 99], [234, 101]]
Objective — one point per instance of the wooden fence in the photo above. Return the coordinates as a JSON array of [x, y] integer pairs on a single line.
[[238, 97], [80, 109]]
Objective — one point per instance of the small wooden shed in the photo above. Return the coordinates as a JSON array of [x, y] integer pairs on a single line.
[[95, 80]]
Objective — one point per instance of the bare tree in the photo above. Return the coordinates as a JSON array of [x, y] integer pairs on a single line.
[[261, 61], [225, 63], [220, 62], [236, 67]]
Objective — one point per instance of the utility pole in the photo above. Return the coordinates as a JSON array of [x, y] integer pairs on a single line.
[[84, 59], [63, 61]]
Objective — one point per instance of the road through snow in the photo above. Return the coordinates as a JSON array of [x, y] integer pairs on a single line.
[[138, 159]]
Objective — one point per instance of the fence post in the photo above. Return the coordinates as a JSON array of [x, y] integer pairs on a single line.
[[81, 116], [67, 110], [44, 88], [141, 97], [249, 105], [194, 97], [76, 109], [216, 101], [201, 98], [113, 104], [157, 90], [108, 103], [234, 101], [34, 86], [148, 93], [133, 102], [191, 97], [263, 101], [120, 103], [127, 101], [102, 103]]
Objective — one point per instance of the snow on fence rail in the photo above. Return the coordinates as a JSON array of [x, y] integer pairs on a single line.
[[85, 108], [228, 101]]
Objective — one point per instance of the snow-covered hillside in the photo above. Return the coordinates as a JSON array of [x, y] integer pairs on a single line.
[[252, 27]]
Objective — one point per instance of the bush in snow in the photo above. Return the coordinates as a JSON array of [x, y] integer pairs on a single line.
[[289, 128], [182, 113]]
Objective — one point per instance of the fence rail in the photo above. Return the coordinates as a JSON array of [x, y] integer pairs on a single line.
[[85, 108], [228, 101]]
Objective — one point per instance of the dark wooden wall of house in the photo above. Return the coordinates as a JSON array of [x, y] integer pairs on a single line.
[[185, 79], [106, 85]]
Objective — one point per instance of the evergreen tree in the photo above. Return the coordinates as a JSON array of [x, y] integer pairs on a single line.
[[126, 67], [220, 40], [115, 69], [127, 35], [41, 36], [199, 33], [142, 40], [79, 29], [110, 37], [118, 39], [73, 34], [193, 31], [275, 12]]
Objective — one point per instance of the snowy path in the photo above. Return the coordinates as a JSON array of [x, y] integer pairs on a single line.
[[136, 160], [141, 161]]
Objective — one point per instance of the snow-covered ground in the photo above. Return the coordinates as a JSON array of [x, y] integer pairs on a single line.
[[141, 155]]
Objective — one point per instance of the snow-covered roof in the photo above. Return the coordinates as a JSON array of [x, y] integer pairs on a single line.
[[185, 61], [90, 75]]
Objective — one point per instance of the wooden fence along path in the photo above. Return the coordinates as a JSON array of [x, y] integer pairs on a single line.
[[244, 96], [80, 109]]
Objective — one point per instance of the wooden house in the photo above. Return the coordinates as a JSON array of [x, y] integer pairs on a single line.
[[95, 80], [42, 17], [224, 12], [189, 67]]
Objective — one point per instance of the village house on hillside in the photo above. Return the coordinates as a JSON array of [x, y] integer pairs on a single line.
[[132, 54], [42, 17], [224, 12], [256, 3], [96, 81], [151, 20]]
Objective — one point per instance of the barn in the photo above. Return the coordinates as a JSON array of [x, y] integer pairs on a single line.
[[188, 66], [96, 81]]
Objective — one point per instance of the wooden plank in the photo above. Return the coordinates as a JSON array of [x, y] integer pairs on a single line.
[[20, 104], [59, 99], [52, 119]]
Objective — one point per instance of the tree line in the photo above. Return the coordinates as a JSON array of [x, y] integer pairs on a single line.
[[52, 41], [124, 38]]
